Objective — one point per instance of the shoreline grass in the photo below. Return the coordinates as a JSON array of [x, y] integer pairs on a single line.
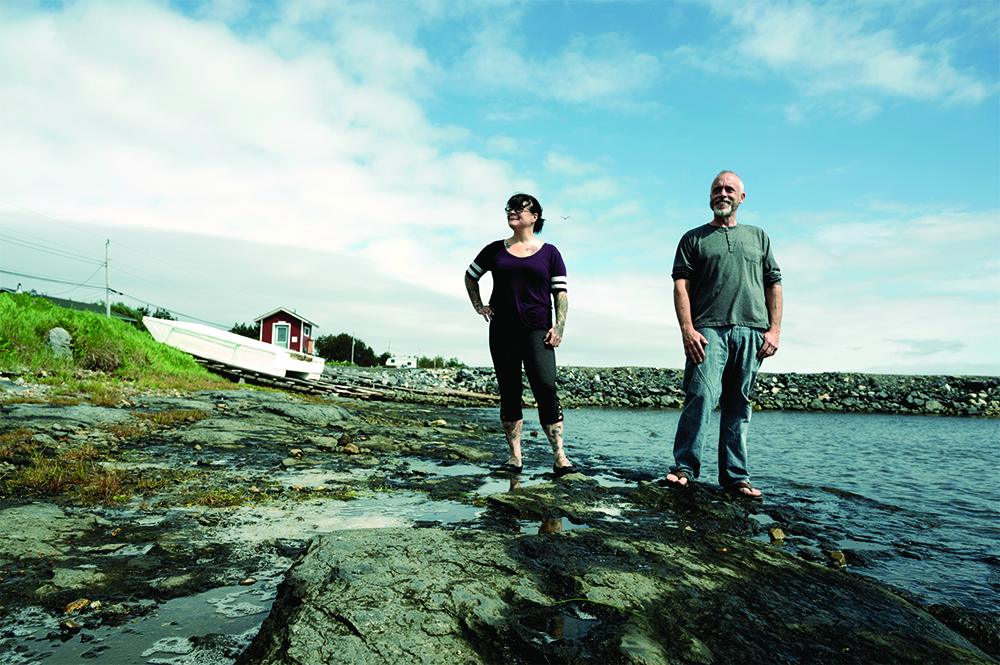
[[110, 358]]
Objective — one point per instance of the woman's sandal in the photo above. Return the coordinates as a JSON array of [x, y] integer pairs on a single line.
[[736, 489], [560, 471]]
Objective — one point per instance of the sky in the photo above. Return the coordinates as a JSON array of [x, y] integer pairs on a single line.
[[347, 160]]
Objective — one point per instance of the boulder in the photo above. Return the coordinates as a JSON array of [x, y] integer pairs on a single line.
[[59, 342], [405, 596]]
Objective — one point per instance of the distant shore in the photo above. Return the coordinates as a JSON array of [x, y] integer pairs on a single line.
[[647, 387]]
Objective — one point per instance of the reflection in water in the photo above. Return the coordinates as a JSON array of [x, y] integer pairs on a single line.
[[561, 627], [551, 526]]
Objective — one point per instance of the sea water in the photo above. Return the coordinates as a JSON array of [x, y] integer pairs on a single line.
[[920, 495]]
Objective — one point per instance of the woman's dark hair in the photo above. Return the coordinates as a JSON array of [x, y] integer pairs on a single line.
[[522, 201]]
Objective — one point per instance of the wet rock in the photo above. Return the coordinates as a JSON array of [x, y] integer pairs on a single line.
[[70, 626], [42, 527], [424, 595], [75, 579], [78, 604], [324, 442]]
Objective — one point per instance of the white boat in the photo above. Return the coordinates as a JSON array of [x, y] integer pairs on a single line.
[[232, 349]]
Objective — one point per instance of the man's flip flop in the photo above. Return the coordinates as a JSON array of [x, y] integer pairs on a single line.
[[561, 471], [680, 475], [508, 468], [736, 489]]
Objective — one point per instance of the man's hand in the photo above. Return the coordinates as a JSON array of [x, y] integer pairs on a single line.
[[694, 345], [770, 346]]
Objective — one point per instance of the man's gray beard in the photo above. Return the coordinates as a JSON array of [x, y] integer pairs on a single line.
[[717, 209]]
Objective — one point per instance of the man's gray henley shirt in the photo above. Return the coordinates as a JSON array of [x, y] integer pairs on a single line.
[[728, 267]]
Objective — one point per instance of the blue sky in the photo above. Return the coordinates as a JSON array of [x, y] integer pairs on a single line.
[[349, 159]]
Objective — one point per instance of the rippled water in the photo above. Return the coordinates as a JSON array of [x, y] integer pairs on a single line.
[[920, 496]]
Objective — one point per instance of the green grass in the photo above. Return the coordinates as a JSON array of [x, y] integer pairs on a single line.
[[107, 354]]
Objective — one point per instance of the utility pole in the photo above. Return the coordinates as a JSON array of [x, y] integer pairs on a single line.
[[107, 279], [352, 348]]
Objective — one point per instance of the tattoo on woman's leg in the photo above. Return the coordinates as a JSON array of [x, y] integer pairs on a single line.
[[554, 432], [512, 430]]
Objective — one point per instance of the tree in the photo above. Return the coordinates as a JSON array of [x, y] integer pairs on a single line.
[[438, 361], [337, 348], [246, 330]]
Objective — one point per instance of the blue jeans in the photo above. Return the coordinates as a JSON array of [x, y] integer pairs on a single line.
[[728, 370]]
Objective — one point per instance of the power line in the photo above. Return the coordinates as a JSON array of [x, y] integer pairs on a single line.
[[42, 248], [50, 279], [119, 266]]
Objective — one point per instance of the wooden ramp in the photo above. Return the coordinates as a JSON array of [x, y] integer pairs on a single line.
[[350, 388]]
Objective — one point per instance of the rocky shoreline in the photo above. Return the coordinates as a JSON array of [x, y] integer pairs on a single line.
[[646, 387], [534, 570]]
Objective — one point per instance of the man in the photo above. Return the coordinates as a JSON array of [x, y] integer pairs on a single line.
[[727, 294]]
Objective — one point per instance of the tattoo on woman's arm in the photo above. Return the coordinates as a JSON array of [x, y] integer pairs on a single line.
[[562, 307]]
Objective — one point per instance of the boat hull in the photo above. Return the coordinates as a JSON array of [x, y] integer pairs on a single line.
[[232, 349]]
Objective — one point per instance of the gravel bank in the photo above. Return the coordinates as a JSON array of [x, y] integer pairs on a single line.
[[649, 387]]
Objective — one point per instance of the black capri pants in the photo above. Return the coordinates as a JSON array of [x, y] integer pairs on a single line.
[[512, 344]]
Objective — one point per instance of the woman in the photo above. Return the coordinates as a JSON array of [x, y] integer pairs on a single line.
[[527, 274]]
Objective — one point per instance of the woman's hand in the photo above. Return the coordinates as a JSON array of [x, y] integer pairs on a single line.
[[486, 311], [553, 337]]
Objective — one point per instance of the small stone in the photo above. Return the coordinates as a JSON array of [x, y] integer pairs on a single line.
[[295, 452], [344, 440], [69, 626], [119, 608], [351, 449], [77, 604], [248, 581], [838, 559], [777, 535], [437, 423], [197, 446]]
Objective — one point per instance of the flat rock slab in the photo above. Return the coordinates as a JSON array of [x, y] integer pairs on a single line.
[[28, 531], [42, 416], [408, 596]]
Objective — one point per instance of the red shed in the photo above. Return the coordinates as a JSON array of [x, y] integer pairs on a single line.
[[287, 330]]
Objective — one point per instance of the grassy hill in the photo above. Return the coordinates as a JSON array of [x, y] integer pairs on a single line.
[[109, 357]]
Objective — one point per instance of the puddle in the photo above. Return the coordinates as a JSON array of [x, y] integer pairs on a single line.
[[561, 627], [209, 628]]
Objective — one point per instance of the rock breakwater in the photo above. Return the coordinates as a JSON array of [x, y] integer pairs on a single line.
[[648, 387]]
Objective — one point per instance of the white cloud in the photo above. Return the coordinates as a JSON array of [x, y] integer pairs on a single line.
[[502, 144], [134, 115], [837, 60], [602, 71], [569, 166]]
